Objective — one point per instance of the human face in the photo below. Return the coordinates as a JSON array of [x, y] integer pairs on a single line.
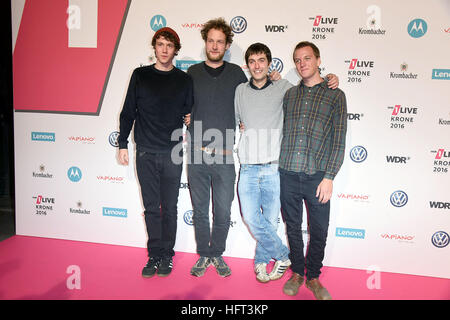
[[216, 45], [306, 63], [165, 52], [258, 65]]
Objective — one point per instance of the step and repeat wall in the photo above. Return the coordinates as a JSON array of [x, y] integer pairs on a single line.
[[390, 209]]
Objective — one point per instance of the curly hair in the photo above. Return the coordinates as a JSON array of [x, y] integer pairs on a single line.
[[219, 24]]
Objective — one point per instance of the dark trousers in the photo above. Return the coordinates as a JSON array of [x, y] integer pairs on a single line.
[[294, 189], [159, 179], [221, 178]]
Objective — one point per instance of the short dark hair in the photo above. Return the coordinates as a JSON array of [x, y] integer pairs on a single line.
[[219, 24], [307, 44], [258, 48]]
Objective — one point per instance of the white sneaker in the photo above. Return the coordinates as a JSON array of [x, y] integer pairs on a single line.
[[279, 269], [261, 273]]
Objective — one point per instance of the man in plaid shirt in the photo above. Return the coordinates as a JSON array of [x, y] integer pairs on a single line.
[[312, 152]]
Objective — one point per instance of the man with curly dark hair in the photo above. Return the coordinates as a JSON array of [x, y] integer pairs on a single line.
[[211, 135]]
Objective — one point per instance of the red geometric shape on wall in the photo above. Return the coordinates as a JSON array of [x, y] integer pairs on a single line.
[[48, 76]]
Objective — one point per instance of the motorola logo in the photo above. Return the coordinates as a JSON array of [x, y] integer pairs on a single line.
[[417, 28], [358, 154], [187, 217], [157, 22], [399, 198], [238, 24], [276, 64], [74, 174]]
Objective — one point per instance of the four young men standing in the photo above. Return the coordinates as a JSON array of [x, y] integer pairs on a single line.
[[308, 123]]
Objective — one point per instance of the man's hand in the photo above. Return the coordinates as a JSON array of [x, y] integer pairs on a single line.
[[274, 75], [241, 127], [187, 119], [123, 157], [333, 81], [324, 190]]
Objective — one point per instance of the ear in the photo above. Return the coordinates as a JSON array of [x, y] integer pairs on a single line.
[[319, 62], [228, 46]]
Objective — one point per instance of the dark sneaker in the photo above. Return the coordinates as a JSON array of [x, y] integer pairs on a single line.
[[150, 268], [200, 266], [165, 267], [221, 267]]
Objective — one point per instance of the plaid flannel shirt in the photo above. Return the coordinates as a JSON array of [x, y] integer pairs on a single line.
[[315, 124]]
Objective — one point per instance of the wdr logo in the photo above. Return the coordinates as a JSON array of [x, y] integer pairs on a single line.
[[158, 22], [399, 198]]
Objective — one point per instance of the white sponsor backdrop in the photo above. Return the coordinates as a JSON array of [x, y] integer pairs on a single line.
[[384, 53]]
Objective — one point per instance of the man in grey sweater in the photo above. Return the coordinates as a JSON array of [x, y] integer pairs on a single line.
[[258, 104]]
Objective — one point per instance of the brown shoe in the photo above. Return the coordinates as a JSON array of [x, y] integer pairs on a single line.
[[320, 292], [291, 286]]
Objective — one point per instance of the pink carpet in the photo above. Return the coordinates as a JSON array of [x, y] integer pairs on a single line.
[[41, 268]]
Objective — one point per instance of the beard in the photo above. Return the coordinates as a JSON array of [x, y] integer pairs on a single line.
[[216, 58]]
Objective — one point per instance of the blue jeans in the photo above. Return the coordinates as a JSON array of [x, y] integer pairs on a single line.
[[259, 197]]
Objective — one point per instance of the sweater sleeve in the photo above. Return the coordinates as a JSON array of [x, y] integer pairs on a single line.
[[237, 108], [189, 97], [128, 114]]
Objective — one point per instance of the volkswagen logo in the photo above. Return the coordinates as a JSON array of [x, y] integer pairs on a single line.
[[74, 174], [358, 154], [113, 139], [187, 217], [440, 239], [276, 64], [157, 22], [238, 24], [399, 198]]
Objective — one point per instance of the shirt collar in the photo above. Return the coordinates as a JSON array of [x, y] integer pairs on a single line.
[[323, 84], [268, 82]]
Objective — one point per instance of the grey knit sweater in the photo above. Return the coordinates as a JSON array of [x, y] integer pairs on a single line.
[[261, 111]]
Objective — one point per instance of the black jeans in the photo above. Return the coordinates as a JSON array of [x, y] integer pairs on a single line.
[[221, 177], [294, 189], [159, 179]]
